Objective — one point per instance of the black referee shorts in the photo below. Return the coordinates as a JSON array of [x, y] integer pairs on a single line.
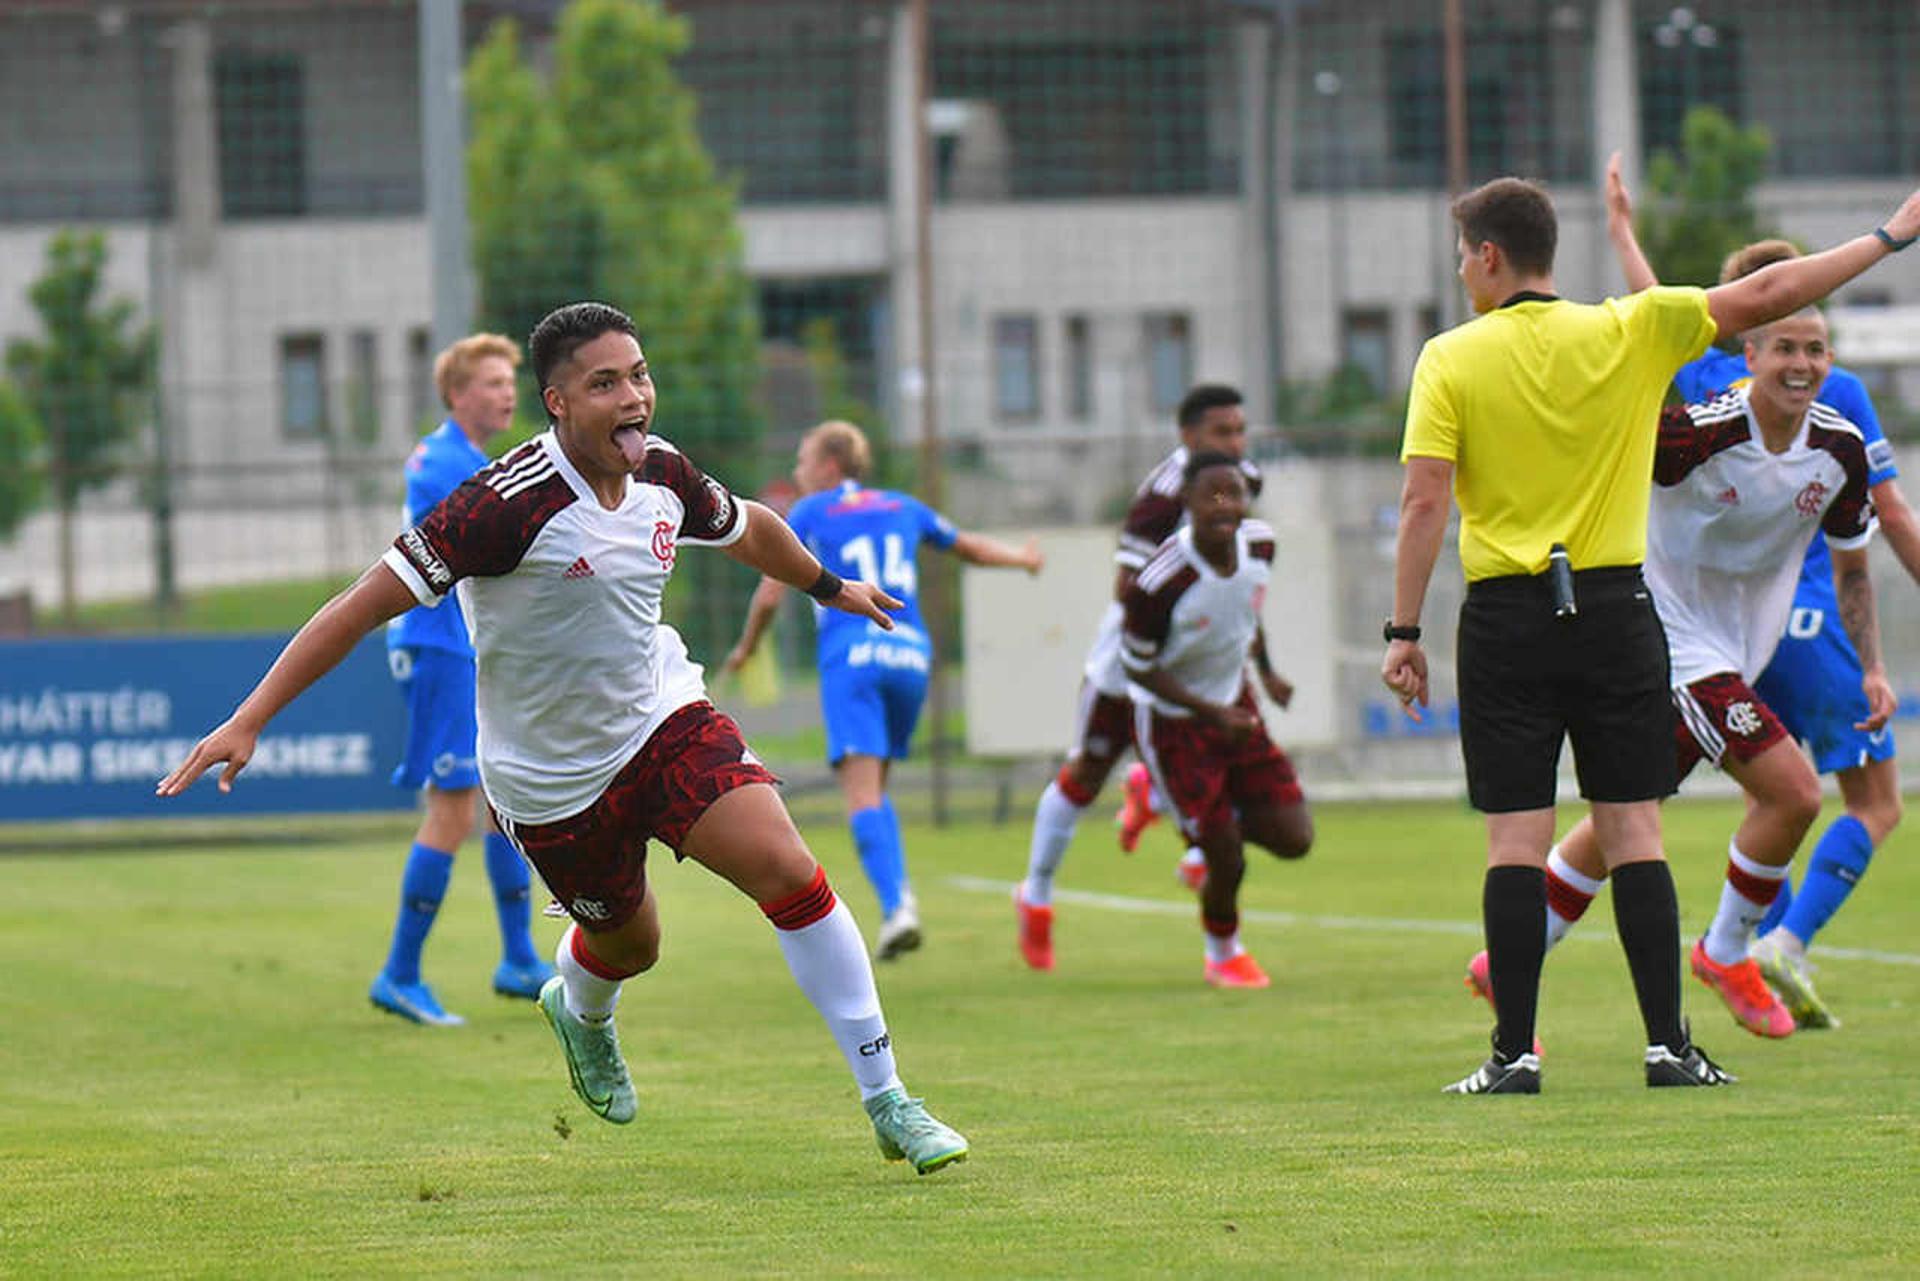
[[1527, 679]]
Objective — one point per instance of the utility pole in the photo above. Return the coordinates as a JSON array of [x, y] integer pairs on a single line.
[[444, 165]]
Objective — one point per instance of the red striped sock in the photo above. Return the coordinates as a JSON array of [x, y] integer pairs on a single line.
[[802, 908]]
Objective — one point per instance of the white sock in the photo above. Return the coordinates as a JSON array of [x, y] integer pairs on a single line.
[[1194, 855], [589, 997], [1222, 948], [829, 962], [1557, 866], [1156, 800], [1732, 928], [1054, 821]]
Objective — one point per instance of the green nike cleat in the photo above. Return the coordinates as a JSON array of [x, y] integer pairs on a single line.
[[1792, 978], [594, 1063], [906, 1132]]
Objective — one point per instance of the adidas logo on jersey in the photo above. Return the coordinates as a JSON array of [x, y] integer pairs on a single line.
[[579, 569]]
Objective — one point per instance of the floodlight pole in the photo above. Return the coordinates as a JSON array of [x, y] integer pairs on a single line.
[[1456, 77], [444, 163]]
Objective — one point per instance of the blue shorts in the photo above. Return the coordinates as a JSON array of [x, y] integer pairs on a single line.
[[441, 728], [1813, 686], [870, 699]]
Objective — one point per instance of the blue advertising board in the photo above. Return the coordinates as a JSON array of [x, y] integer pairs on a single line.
[[87, 727]]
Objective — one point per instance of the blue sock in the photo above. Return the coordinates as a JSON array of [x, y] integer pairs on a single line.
[[512, 884], [422, 886], [1776, 910], [1838, 863], [876, 833]]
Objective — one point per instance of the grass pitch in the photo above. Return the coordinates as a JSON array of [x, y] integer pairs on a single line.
[[192, 1081]]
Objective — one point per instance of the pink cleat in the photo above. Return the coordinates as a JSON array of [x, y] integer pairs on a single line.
[[1036, 933], [1481, 985], [1749, 999], [1241, 971], [1136, 807]]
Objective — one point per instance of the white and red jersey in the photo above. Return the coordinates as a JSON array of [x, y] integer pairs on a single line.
[[562, 598], [1153, 517], [1730, 522], [1188, 619]]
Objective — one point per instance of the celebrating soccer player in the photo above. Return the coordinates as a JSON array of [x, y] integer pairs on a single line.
[[1191, 616], [873, 681], [595, 731], [1211, 417]]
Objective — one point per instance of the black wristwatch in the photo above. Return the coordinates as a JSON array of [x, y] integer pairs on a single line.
[[1391, 633]]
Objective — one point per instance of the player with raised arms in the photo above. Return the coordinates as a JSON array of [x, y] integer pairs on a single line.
[[873, 681], [595, 731]]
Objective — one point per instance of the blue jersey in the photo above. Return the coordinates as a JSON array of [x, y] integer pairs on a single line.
[[1717, 371], [437, 466], [872, 535]]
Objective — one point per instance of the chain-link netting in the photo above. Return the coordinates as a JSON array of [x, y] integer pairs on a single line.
[[216, 297]]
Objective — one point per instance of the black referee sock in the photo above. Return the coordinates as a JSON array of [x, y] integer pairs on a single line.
[[1513, 907], [1646, 912]]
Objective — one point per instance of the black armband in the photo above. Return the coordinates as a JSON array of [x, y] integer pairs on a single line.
[[1894, 244], [827, 586]]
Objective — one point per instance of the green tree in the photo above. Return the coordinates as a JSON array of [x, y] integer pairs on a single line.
[[597, 186], [89, 381], [21, 444], [1702, 207]]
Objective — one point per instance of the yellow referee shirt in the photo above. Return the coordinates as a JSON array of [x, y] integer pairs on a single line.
[[1549, 411]]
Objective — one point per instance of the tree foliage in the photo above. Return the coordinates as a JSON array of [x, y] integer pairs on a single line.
[[89, 380], [21, 442], [597, 186], [1702, 207]]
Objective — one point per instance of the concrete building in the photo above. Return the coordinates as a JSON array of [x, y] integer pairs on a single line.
[[1129, 195]]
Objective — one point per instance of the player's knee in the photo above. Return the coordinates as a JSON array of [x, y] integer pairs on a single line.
[[1881, 816], [1799, 802]]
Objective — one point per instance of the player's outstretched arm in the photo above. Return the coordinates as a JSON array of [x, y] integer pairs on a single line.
[[1626, 246], [771, 547], [1859, 615], [315, 650], [1786, 287], [760, 611], [978, 549]]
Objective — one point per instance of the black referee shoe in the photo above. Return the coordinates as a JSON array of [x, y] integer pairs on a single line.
[[1689, 1065], [1501, 1076]]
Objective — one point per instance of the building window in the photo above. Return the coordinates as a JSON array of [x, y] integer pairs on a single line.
[[1079, 371], [1693, 64], [423, 398], [1016, 368], [260, 109], [1512, 121], [1426, 320], [1169, 344], [303, 386], [363, 386], [1366, 347]]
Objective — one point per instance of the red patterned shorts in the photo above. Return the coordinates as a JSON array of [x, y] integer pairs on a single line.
[[1208, 775], [595, 861], [1102, 726], [1721, 716]]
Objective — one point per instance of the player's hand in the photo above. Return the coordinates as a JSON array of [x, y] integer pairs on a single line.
[[735, 660], [1404, 670], [864, 598], [1278, 688], [231, 743], [1880, 701], [1619, 200], [1906, 219], [1031, 558], [1236, 720]]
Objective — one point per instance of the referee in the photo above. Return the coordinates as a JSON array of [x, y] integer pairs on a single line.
[[1540, 416]]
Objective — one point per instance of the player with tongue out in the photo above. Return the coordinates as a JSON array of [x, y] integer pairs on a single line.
[[595, 730]]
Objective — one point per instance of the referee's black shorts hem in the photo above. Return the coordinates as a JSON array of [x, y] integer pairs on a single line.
[[1528, 680]]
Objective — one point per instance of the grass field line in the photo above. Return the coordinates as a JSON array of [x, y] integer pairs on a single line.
[[1372, 924]]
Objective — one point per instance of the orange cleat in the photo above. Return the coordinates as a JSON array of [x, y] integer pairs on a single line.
[[1136, 807], [1749, 999], [1036, 933], [1241, 971], [1481, 985]]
